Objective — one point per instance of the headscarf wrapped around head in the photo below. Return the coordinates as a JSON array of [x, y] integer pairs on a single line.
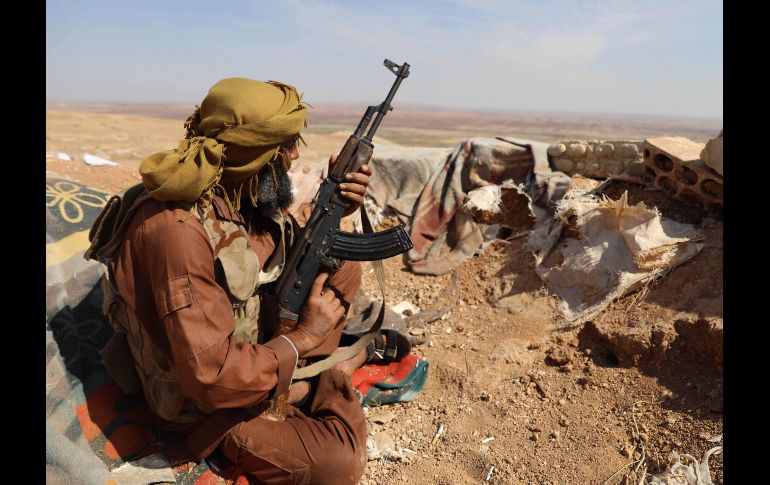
[[257, 116]]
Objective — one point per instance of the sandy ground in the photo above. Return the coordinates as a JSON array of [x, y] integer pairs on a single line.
[[128, 139], [605, 402], [564, 405]]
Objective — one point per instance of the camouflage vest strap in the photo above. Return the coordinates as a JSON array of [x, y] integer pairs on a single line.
[[241, 271], [238, 274]]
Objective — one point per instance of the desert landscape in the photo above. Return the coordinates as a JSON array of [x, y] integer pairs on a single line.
[[521, 396]]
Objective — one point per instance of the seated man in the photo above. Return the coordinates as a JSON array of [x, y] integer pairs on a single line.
[[188, 252]]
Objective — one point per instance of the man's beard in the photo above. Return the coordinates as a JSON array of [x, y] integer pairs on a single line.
[[271, 195]]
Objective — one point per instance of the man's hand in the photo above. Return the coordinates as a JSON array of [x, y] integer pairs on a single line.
[[354, 186], [321, 313]]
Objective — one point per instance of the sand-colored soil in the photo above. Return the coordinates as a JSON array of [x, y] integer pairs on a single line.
[[565, 405]]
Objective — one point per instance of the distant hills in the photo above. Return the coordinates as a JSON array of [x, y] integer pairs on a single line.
[[437, 124]]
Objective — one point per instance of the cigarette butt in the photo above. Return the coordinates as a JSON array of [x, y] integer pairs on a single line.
[[438, 434]]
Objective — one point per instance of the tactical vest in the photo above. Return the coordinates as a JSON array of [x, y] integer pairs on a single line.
[[239, 272]]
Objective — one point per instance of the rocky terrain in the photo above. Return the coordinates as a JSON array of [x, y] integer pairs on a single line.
[[519, 395]]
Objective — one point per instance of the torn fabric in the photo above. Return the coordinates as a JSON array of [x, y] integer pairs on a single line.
[[612, 249]]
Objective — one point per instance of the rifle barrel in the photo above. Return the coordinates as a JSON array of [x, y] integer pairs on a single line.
[[383, 108]]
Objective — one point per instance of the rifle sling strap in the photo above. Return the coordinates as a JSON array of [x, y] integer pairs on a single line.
[[345, 353]]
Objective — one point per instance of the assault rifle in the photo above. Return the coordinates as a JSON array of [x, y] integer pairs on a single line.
[[321, 243]]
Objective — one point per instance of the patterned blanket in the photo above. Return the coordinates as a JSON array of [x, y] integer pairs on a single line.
[[91, 426]]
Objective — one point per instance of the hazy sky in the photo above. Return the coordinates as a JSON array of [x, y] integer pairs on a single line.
[[643, 57]]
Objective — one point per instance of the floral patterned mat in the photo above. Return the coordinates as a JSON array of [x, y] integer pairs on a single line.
[[91, 426]]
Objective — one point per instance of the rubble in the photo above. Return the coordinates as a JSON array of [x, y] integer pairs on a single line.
[[406, 309], [673, 164], [379, 445], [712, 154]]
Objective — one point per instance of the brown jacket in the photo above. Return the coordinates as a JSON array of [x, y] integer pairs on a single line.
[[192, 326]]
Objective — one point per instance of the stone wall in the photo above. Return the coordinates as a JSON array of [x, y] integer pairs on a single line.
[[597, 158]]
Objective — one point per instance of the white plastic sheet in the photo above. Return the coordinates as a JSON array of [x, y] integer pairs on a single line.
[[95, 161]]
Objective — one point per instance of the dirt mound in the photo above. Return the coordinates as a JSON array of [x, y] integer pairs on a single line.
[[563, 406], [681, 315]]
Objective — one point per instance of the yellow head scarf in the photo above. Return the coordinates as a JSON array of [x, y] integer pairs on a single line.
[[257, 116]]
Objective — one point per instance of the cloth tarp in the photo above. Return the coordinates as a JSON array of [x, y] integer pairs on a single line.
[[613, 248], [437, 194], [425, 188]]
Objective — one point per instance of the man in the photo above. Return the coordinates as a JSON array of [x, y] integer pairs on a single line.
[[188, 251]]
